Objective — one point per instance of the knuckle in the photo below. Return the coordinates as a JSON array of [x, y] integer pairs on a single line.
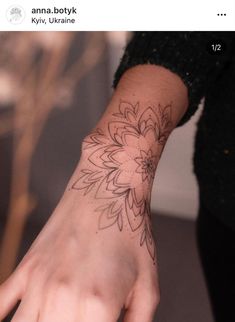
[[24, 272], [63, 285], [19, 277], [154, 292], [155, 295], [59, 285], [95, 300], [155, 299], [152, 299], [100, 304], [58, 291], [27, 265]]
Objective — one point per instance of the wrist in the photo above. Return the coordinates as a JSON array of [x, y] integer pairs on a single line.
[[118, 163], [122, 153]]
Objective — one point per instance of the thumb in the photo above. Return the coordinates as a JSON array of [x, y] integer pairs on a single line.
[[10, 294]]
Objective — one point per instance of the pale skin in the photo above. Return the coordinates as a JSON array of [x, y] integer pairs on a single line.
[[96, 254]]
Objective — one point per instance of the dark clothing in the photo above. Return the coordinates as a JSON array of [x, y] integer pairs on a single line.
[[217, 248], [206, 74], [211, 76]]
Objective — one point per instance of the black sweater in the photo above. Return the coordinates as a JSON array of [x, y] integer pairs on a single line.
[[206, 74]]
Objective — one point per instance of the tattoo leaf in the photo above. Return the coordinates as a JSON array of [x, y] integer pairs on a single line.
[[166, 123], [87, 180], [146, 237], [96, 138], [110, 214], [127, 111]]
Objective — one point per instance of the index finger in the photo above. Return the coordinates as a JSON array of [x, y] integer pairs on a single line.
[[10, 294]]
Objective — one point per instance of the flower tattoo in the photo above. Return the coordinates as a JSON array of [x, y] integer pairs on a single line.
[[122, 167]]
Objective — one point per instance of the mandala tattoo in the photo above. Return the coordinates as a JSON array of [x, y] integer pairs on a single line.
[[122, 164]]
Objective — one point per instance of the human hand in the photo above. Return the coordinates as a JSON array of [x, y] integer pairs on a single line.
[[87, 262], [76, 272]]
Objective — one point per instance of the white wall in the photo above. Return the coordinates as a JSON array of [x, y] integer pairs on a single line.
[[175, 190]]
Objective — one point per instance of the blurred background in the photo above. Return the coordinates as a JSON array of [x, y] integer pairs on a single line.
[[54, 86]]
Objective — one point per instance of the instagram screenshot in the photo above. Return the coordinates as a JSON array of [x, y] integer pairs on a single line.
[[117, 161]]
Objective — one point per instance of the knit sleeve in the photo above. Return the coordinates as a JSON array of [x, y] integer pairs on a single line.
[[184, 53]]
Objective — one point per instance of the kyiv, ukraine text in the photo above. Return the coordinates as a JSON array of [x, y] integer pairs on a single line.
[[61, 13]]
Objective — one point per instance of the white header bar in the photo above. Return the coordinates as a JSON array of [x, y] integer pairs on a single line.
[[128, 15]]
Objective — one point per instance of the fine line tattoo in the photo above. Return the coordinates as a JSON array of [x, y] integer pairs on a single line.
[[121, 167]]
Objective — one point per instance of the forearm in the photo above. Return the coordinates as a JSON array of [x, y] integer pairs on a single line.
[[120, 156], [149, 85]]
